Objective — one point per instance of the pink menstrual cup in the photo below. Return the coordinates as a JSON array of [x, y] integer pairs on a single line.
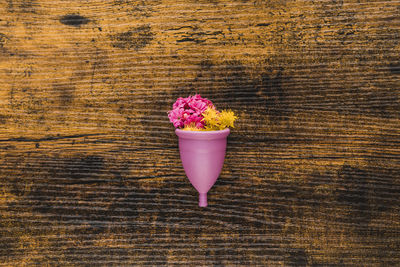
[[202, 154]]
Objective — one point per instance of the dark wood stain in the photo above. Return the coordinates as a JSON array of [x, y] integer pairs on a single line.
[[136, 38], [394, 68], [64, 93], [27, 6], [74, 20], [89, 164], [296, 257]]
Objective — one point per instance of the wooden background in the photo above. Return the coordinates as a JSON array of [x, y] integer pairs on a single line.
[[89, 165]]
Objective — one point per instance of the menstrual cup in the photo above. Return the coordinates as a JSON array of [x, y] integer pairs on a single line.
[[202, 154]]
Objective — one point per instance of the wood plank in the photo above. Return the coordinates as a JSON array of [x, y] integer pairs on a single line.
[[89, 164]]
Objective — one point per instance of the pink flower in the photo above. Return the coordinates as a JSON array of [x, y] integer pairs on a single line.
[[189, 110], [196, 120], [180, 103], [198, 106], [198, 98], [175, 116]]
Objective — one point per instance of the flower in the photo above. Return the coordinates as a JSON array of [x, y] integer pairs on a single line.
[[210, 118], [175, 116], [189, 110], [195, 120], [226, 119], [180, 103], [198, 113]]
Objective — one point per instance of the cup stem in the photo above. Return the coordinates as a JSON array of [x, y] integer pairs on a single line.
[[202, 199]]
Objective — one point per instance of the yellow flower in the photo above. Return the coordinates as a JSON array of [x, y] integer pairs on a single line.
[[211, 119], [226, 119], [215, 120], [191, 127]]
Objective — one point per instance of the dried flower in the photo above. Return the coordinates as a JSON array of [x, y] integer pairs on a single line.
[[215, 120], [226, 119], [195, 113]]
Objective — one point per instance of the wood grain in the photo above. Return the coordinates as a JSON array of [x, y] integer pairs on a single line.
[[89, 165]]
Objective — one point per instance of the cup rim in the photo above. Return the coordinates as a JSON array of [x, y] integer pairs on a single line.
[[202, 135]]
